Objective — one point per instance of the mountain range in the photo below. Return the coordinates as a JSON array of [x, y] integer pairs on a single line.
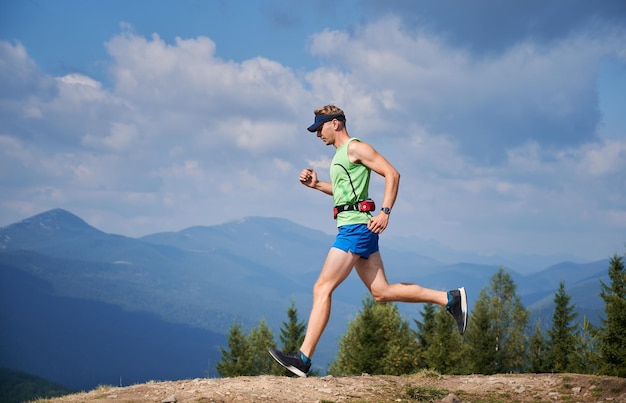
[[82, 307]]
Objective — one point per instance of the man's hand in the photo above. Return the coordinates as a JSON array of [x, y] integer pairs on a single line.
[[308, 177], [378, 223]]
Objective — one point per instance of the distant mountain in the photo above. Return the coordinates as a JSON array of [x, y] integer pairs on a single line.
[[17, 387], [81, 343], [189, 285], [82, 307], [582, 284], [59, 233], [240, 272], [523, 263]]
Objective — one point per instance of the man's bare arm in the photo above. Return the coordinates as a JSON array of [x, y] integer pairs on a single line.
[[308, 177], [365, 154]]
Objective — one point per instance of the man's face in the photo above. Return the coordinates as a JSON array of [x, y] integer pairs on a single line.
[[326, 135]]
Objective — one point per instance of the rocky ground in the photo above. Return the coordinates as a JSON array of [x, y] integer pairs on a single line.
[[365, 388]]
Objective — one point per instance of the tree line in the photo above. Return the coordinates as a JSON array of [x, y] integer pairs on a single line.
[[498, 338]]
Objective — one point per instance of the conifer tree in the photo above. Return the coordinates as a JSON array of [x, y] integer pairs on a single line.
[[237, 360], [445, 346], [426, 327], [586, 358], [562, 336], [482, 340], [425, 330], [378, 341], [537, 355], [247, 354], [292, 332], [511, 319], [496, 334], [613, 332], [259, 340]]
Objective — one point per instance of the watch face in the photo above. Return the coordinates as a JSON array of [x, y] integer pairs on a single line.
[[386, 210]]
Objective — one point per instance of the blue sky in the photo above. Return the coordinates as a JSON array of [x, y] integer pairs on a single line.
[[505, 119]]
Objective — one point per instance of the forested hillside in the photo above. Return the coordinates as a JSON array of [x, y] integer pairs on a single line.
[[82, 307]]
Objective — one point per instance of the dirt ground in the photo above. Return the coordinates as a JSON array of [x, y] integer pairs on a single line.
[[365, 388]]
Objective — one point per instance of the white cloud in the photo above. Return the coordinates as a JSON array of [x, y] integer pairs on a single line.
[[323, 163], [496, 151], [605, 158], [188, 76], [121, 137], [488, 103]]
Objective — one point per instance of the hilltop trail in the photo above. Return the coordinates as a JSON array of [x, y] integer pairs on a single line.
[[366, 388]]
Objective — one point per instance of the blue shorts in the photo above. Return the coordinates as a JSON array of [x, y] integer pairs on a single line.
[[358, 239]]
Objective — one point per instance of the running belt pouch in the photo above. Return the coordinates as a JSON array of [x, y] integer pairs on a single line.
[[367, 205], [363, 205]]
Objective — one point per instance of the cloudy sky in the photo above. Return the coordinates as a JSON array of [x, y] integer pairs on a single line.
[[506, 119]]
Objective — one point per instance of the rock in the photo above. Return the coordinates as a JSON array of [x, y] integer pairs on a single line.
[[577, 389], [171, 399], [553, 394], [521, 389], [451, 398]]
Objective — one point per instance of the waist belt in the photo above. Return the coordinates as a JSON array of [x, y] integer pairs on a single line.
[[363, 205]]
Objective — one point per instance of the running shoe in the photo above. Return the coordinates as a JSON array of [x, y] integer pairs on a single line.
[[458, 308], [291, 361]]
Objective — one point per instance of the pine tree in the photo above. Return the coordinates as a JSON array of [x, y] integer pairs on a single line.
[[247, 354], [425, 330], [426, 327], [562, 336], [482, 340], [613, 332], [586, 358], [378, 341], [496, 334], [237, 360], [258, 341], [292, 332], [538, 361], [445, 346], [511, 319]]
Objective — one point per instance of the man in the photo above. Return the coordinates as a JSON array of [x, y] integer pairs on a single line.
[[356, 244]]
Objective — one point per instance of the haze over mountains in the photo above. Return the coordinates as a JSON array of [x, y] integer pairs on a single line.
[[81, 307]]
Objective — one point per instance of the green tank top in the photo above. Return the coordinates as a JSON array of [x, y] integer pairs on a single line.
[[350, 184]]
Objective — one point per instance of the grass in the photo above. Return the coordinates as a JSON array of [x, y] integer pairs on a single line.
[[428, 373], [425, 393]]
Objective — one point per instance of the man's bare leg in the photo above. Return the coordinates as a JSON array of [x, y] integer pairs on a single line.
[[372, 273], [337, 267]]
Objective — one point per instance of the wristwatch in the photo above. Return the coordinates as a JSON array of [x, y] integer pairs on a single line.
[[386, 210]]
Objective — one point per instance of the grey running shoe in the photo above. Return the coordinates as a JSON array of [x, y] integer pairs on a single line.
[[458, 308], [291, 361]]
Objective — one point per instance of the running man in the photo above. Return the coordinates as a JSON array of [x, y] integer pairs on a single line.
[[356, 244]]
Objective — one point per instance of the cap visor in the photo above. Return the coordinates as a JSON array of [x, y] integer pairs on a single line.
[[313, 128]]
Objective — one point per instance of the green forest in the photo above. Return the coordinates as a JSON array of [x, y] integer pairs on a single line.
[[17, 386], [499, 337]]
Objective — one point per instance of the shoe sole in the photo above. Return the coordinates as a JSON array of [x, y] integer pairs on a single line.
[[463, 307], [291, 368]]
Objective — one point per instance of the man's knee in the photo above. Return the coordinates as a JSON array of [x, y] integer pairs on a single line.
[[380, 294], [321, 290]]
